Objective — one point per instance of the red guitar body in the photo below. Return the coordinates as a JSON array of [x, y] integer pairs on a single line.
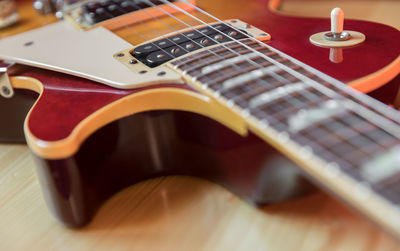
[[154, 143]]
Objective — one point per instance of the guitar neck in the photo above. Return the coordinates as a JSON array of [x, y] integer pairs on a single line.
[[345, 140]]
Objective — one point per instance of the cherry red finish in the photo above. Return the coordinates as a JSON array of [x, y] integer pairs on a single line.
[[154, 144], [291, 35], [122, 153], [67, 100]]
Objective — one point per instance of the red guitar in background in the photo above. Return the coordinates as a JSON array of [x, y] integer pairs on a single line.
[[125, 91]]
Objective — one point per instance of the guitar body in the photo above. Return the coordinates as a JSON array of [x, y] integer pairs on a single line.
[[91, 140]]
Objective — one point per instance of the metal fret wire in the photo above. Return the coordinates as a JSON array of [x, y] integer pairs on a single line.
[[173, 29], [158, 33], [358, 133], [183, 11], [356, 94], [286, 98], [223, 45], [363, 97], [290, 100], [178, 32], [205, 62], [194, 41], [310, 95], [247, 47], [390, 126]]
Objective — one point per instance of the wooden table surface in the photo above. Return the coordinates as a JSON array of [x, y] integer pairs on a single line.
[[180, 213], [177, 213]]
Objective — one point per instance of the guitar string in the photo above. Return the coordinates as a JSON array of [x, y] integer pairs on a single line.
[[305, 93], [311, 96], [158, 32], [175, 43], [333, 153], [200, 45], [161, 34], [336, 132], [360, 135], [183, 34], [289, 102], [357, 133], [385, 110], [356, 94], [109, 14], [154, 31], [364, 98], [390, 126]]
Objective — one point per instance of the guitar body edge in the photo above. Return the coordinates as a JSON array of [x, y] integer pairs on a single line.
[[122, 154]]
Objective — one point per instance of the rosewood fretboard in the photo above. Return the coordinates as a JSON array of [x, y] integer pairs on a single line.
[[348, 131]]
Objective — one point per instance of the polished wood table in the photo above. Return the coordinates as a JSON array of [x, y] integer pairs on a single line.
[[177, 213]]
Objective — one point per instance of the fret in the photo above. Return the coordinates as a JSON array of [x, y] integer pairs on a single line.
[[192, 61], [219, 64], [220, 52], [388, 163], [217, 78], [336, 141], [389, 188], [277, 93], [230, 61], [204, 62], [293, 103], [309, 110], [213, 56], [244, 93], [248, 76]]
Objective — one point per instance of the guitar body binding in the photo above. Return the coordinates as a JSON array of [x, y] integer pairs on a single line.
[[114, 151], [121, 154]]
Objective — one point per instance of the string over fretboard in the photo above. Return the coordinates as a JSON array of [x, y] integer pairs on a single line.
[[302, 106]]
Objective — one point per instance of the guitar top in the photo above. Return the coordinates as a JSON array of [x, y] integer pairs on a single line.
[[252, 70]]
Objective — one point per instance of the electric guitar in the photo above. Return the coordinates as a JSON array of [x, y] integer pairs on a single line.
[[131, 90]]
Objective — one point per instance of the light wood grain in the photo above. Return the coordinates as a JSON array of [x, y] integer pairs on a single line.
[[177, 213]]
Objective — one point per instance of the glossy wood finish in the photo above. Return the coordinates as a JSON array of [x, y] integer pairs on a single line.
[[62, 117], [383, 11], [72, 97], [80, 98], [174, 143], [122, 154], [291, 35]]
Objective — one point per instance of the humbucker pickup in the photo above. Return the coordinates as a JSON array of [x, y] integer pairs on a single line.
[[163, 49], [158, 52]]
